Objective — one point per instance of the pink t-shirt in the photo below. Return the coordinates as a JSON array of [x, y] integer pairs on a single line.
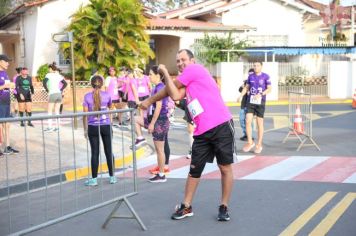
[[123, 82], [143, 86], [130, 95], [112, 87], [204, 100]]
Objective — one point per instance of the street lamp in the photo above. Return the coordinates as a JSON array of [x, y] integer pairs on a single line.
[[67, 37]]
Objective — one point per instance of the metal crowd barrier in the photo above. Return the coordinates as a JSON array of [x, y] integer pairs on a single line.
[[300, 119], [44, 183]]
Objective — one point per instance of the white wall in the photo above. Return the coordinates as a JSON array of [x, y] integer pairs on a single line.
[[53, 17], [340, 82], [270, 18], [271, 68], [232, 77]]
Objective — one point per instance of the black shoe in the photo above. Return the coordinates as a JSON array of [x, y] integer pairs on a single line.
[[223, 213], [157, 179], [182, 211], [30, 124], [243, 138], [10, 150], [22, 124]]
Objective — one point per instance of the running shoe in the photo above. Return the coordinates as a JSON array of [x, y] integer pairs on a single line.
[[223, 213], [22, 124], [91, 182], [243, 138], [55, 129], [155, 170], [189, 154], [158, 179], [48, 130], [181, 212], [113, 180], [139, 142], [30, 124], [14, 151]]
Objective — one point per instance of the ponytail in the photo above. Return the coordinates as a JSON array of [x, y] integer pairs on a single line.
[[97, 83]]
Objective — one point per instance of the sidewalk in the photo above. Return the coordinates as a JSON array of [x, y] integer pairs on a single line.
[[56, 154]]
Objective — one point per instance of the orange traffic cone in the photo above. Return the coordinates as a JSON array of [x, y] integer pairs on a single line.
[[298, 121], [354, 100]]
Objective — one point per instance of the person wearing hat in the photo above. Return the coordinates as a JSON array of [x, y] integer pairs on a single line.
[[5, 101], [25, 90]]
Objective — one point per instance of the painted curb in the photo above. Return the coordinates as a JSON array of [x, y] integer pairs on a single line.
[[79, 173]]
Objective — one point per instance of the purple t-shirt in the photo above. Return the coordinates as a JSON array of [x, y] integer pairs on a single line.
[[88, 102], [204, 100], [4, 93], [164, 108], [258, 84]]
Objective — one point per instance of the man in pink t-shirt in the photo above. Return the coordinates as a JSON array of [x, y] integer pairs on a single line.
[[214, 132]]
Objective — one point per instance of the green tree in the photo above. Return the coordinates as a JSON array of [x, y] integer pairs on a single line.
[[109, 33], [5, 6], [209, 49]]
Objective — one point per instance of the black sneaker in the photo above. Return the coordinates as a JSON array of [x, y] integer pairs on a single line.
[[243, 138], [7, 151], [223, 213], [181, 212], [22, 124], [158, 179], [30, 124], [14, 151], [139, 142]]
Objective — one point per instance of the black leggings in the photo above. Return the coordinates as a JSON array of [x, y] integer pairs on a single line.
[[167, 150], [93, 134]]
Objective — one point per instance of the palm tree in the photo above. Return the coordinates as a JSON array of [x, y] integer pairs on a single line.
[[109, 33], [5, 6]]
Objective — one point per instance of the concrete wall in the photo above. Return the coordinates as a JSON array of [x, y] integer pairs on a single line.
[[342, 79], [45, 50], [270, 18], [231, 79], [232, 76]]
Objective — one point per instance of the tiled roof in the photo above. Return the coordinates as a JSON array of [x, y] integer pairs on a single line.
[[312, 4], [160, 23]]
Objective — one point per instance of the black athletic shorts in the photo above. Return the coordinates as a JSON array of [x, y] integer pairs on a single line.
[[217, 142], [256, 110], [27, 98]]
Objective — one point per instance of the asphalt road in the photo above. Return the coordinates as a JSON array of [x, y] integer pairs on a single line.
[[258, 207]]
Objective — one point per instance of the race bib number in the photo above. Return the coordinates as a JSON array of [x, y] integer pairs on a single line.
[[255, 100], [141, 89], [195, 108]]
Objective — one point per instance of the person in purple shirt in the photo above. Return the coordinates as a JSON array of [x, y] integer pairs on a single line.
[[157, 122], [5, 86], [98, 125], [258, 85]]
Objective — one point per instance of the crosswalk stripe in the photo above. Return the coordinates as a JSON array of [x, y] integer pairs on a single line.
[[287, 169], [335, 169], [296, 168]]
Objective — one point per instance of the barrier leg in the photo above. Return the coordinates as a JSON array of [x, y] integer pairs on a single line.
[[133, 216]]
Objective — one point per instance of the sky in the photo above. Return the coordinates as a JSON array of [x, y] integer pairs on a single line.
[[342, 2]]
